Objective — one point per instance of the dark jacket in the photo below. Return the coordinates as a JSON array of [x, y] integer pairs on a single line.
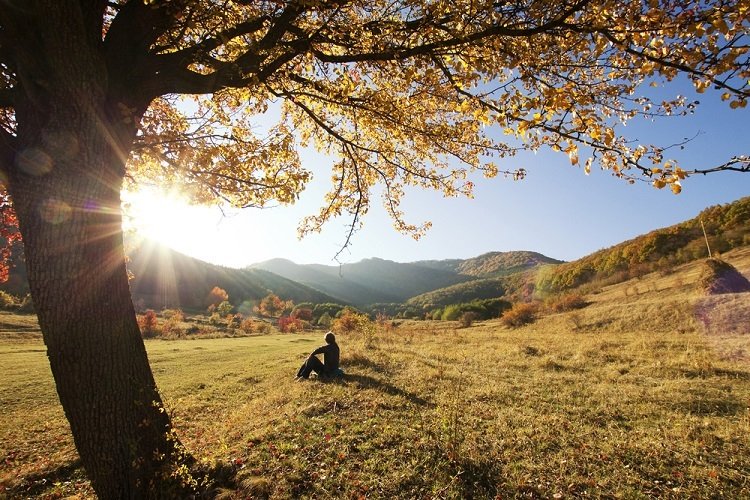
[[330, 354]]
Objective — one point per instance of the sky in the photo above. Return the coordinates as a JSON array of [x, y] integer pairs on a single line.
[[557, 210]]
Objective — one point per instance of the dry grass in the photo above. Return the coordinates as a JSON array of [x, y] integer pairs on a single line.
[[632, 396]]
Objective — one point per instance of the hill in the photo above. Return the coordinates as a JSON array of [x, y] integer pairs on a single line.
[[327, 279], [368, 281], [166, 278], [727, 227], [516, 286], [492, 264], [488, 288]]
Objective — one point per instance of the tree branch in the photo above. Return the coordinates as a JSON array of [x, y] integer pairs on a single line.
[[456, 41]]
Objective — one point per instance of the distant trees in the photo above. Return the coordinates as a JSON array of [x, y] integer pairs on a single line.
[[215, 297], [271, 305]]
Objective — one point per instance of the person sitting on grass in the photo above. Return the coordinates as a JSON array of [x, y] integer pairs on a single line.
[[330, 365]]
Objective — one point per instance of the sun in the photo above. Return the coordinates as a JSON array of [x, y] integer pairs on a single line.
[[158, 216], [217, 235]]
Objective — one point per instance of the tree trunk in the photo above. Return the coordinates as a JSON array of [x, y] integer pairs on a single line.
[[72, 143], [71, 225], [76, 114]]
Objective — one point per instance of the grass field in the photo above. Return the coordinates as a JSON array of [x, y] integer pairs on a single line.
[[645, 392]]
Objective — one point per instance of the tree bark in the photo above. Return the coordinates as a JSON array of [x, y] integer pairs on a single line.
[[71, 225], [72, 143]]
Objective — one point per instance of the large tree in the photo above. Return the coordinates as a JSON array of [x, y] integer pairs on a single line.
[[96, 93]]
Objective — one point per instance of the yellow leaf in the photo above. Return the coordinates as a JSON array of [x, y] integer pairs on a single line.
[[676, 187]]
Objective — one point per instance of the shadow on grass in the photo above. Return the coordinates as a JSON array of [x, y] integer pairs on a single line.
[[36, 485], [712, 407], [367, 382], [361, 361]]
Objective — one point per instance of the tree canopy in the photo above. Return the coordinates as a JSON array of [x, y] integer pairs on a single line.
[[402, 93]]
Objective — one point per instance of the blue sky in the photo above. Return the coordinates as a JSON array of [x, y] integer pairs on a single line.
[[556, 210]]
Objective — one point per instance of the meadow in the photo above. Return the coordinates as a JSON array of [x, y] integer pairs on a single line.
[[643, 393]]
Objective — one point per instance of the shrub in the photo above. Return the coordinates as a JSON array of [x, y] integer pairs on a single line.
[[520, 314], [271, 305], [175, 314], [451, 313], [325, 320], [349, 321], [234, 320], [568, 302], [468, 318], [7, 301], [224, 309], [148, 324], [263, 327], [215, 297], [172, 328], [302, 313], [249, 325], [290, 324]]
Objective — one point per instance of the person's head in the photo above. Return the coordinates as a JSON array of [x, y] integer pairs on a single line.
[[330, 338]]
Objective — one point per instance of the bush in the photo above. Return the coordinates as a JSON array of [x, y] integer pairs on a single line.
[[451, 313], [234, 320], [263, 327], [468, 318], [290, 324], [148, 323], [224, 309], [215, 297], [303, 313], [325, 320], [568, 302], [349, 321], [520, 314], [175, 314], [172, 328], [7, 301]]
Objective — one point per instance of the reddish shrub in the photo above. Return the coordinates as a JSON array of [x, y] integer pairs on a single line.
[[148, 324], [520, 314], [303, 313], [290, 324]]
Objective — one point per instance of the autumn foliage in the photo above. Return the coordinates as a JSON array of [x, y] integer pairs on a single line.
[[215, 297], [520, 314], [148, 323], [9, 233], [290, 324], [271, 305]]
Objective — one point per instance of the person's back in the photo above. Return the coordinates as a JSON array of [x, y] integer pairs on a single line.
[[331, 356]]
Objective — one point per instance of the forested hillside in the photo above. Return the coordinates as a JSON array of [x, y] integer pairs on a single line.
[[727, 226], [165, 278], [368, 281], [517, 286], [492, 264]]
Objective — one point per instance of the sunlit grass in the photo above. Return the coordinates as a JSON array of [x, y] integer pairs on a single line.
[[429, 410]]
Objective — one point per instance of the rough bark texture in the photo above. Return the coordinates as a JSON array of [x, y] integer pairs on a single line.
[[65, 182]]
